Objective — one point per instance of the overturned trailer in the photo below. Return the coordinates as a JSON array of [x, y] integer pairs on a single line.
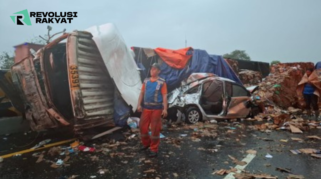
[[67, 82]]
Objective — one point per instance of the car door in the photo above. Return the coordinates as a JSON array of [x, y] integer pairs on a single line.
[[238, 97]]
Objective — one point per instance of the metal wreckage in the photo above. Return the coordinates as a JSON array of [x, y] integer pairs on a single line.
[[87, 79]]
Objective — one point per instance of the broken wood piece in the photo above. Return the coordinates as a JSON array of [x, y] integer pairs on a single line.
[[106, 132], [148, 161], [234, 170], [308, 151], [237, 162], [316, 155], [251, 152], [54, 165], [296, 139], [283, 170], [150, 171], [313, 137], [40, 158], [291, 176], [220, 172], [295, 130], [67, 158]]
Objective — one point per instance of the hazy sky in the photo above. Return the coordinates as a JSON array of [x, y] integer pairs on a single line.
[[285, 30]]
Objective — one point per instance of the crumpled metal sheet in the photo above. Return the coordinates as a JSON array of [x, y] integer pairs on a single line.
[[91, 88], [88, 77]]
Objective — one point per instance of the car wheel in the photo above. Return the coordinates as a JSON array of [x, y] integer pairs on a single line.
[[193, 115]]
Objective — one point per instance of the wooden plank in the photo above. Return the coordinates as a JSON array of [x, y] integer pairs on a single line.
[[295, 130], [106, 132]]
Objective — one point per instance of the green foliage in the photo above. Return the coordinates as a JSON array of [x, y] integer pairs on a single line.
[[275, 62], [237, 55], [6, 60]]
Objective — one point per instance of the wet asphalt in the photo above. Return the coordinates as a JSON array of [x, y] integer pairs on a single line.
[[184, 158]]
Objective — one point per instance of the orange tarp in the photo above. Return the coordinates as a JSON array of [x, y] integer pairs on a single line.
[[174, 58]]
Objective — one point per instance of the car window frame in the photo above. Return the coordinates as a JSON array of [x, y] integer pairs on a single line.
[[194, 87], [232, 92]]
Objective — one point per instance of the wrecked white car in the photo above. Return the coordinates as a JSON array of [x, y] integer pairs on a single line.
[[206, 96]]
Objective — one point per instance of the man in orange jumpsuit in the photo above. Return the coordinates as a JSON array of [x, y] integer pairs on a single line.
[[154, 97]]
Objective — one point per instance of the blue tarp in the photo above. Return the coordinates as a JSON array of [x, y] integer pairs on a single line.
[[201, 61], [121, 110], [318, 65]]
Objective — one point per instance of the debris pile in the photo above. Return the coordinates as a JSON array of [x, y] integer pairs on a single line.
[[280, 86], [233, 64], [249, 77]]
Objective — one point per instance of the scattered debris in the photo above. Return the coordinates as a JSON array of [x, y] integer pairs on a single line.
[[286, 170], [102, 171], [296, 139], [237, 162], [54, 166], [42, 143], [59, 162], [1, 159], [256, 176], [308, 151], [291, 176], [74, 144], [66, 159], [94, 158], [86, 149], [183, 135], [268, 155], [316, 155], [73, 176], [283, 140], [175, 175], [213, 121], [54, 151], [251, 152], [132, 136], [133, 122], [295, 130], [150, 171], [40, 158], [313, 137], [161, 136], [220, 172], [295, 152]]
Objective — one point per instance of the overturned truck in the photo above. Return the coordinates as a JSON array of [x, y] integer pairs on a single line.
[[68, 82]]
